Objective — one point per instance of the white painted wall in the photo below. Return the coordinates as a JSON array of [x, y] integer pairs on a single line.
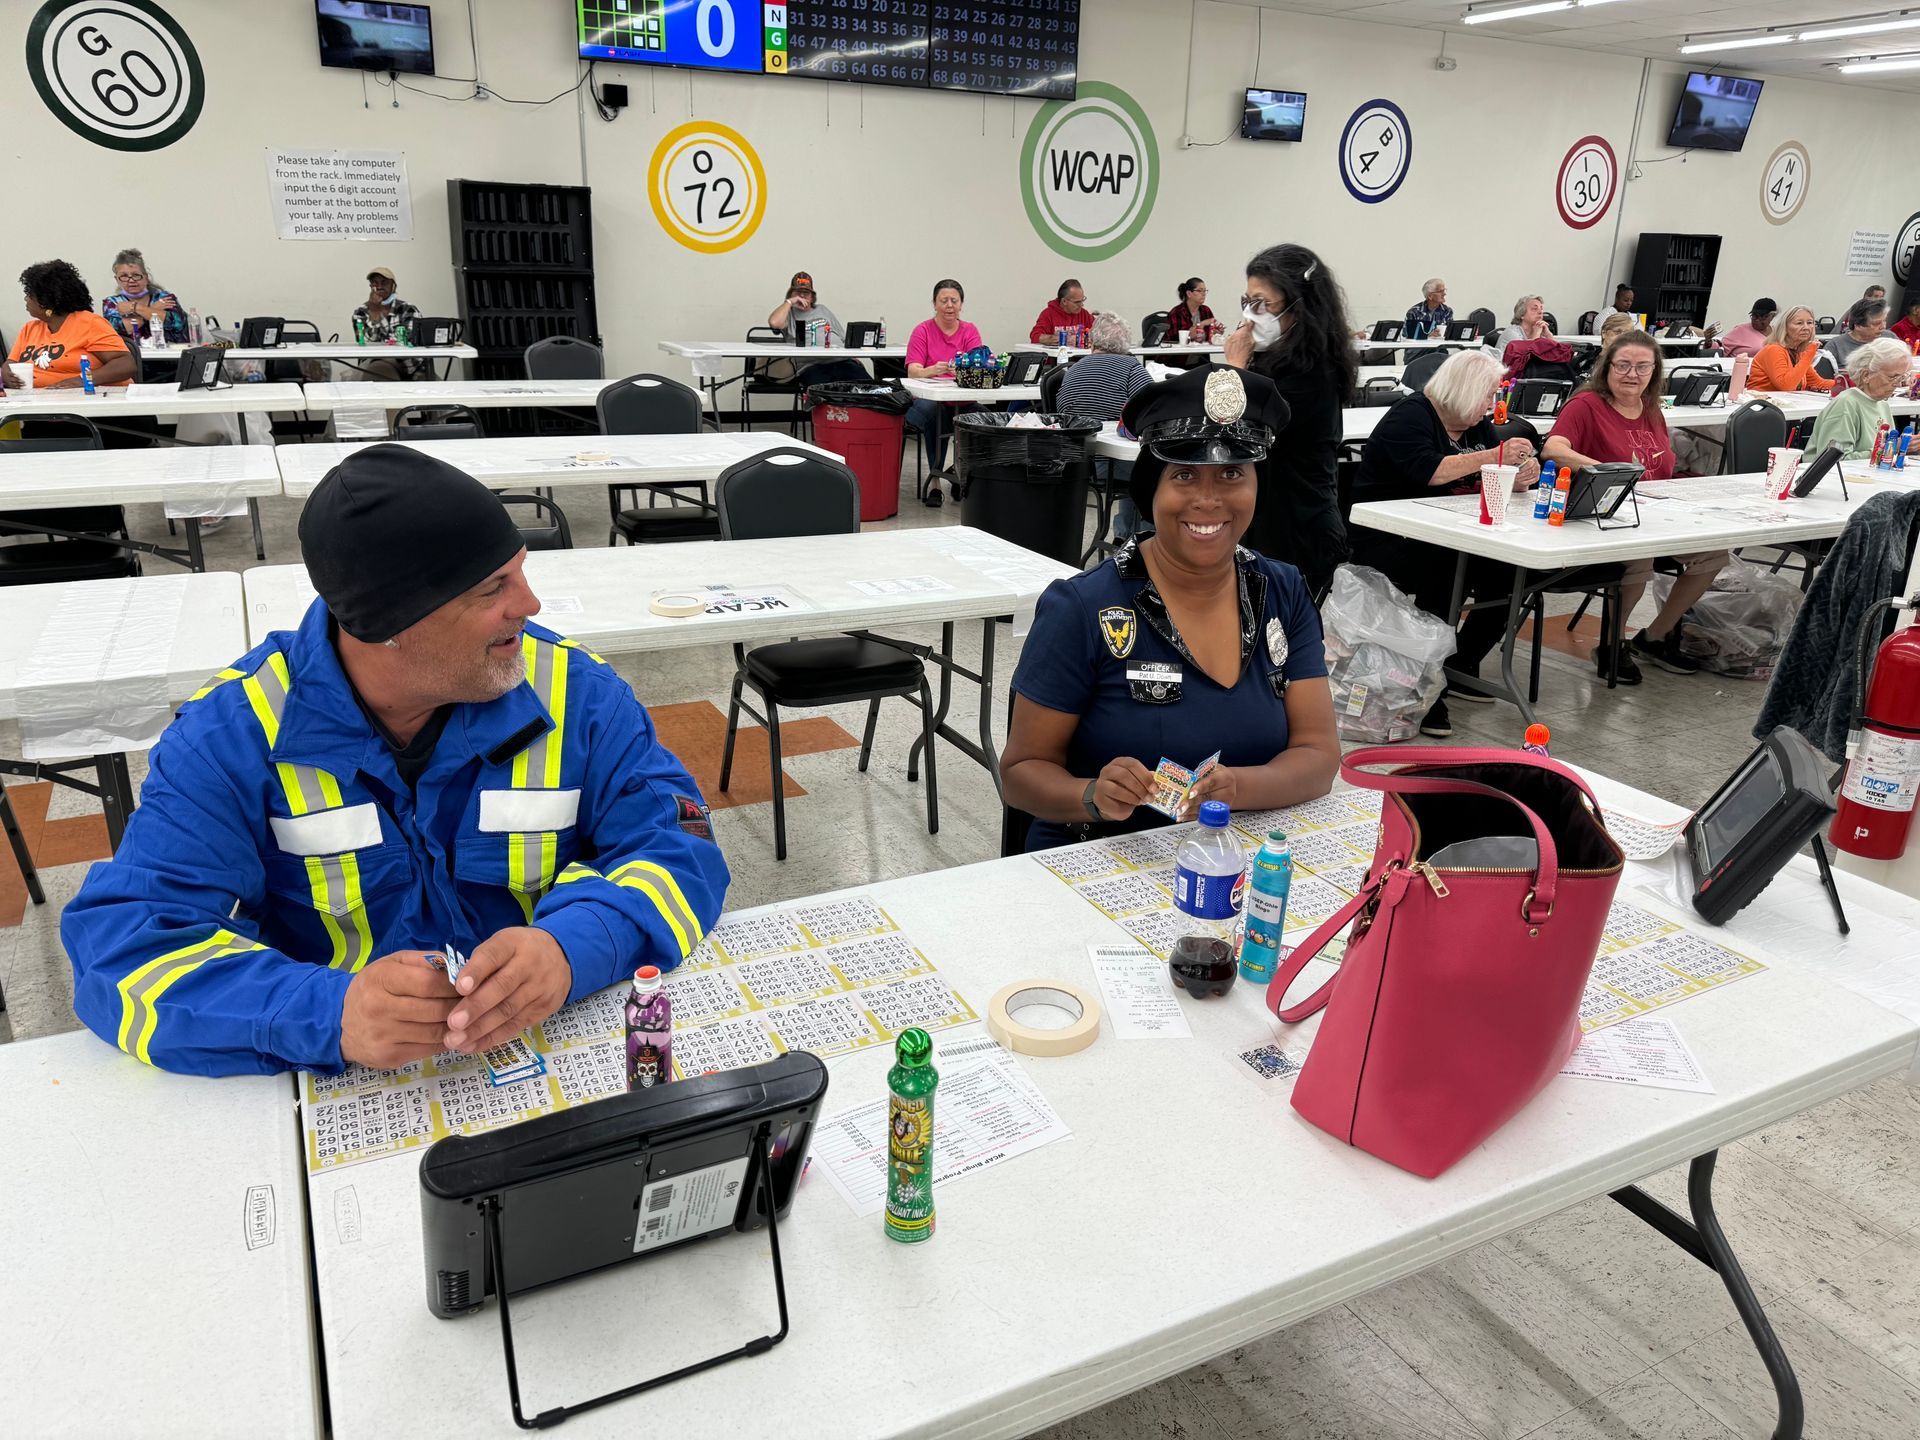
[[878, 192]]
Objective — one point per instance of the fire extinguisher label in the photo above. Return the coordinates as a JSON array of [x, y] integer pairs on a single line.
[[1886, 773]]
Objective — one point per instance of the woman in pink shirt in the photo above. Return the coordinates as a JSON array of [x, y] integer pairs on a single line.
[[930, 352]]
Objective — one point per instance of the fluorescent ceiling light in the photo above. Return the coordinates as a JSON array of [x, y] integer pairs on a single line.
[[1585, 3], [1880, 67], [1541, 7], [1865, 27], [1752, 42]]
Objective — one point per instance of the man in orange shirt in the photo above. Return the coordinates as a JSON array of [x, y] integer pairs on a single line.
[[62, 329]]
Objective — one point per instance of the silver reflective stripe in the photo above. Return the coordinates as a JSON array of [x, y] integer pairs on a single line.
[[271, 690], [544, 658], [158, 978]]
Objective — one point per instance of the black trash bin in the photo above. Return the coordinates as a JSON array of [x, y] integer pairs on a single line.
[[1026, 485]]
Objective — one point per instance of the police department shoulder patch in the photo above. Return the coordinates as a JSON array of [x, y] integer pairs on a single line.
[[1118, 628]]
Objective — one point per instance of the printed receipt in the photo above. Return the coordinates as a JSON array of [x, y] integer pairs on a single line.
[[986, 1110], [1138, 993], [1639, 1052]]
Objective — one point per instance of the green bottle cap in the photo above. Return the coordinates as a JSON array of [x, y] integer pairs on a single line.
[[914, 1047], [1279, 835]]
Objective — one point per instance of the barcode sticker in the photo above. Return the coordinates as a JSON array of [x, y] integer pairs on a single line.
[[690, 1204]]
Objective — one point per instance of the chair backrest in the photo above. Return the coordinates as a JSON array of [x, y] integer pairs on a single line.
[[786, 492], [44, 434], [436, 422], [1421, 370], [292, 332], [555, 534], [1538, 369], [1482, 320], [1751, 429], [1587, 317], [1153, 328], [1381, 390], [561, 357], [1825, 325], [1553, 322], [1826, 364], [1050, 383], [648, 405]]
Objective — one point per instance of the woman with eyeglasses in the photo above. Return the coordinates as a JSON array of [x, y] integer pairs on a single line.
[[1785, 362], [1294, 331], [1615, 419], [140, 306]]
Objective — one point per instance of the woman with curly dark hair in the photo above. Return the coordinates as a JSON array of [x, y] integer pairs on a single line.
[[1294, 331], [62, 329]]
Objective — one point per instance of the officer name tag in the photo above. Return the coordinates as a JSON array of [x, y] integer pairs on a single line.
[[328, 832], [1164, 674], [522, 810]]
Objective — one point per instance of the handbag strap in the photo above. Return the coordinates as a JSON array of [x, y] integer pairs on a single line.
[[1308, 948], [1538, 906]]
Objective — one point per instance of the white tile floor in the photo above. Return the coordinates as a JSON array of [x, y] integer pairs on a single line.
[[1585, 1326]]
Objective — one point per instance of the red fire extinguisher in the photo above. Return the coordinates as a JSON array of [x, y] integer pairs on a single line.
[[1877, 797]]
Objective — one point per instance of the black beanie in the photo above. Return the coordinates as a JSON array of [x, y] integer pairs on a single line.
[[390, 535]]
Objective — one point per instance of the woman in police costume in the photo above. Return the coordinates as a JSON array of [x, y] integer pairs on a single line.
[[1180, 645]]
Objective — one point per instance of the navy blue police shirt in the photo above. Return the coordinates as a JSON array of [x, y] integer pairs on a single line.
[[1104, 648]]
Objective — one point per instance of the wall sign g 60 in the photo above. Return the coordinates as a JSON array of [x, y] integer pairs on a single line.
[[121, 73]]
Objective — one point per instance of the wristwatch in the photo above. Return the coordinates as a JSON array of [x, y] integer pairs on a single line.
[[1086, 799]]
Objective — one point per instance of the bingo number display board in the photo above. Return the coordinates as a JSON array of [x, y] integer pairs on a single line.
[[1009, 47]]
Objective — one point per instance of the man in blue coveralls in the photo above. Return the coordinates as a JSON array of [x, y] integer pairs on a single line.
[[415, 766]]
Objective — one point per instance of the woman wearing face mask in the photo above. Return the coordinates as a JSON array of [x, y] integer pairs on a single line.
[[1181, 644], [1294, 331], [1785, 362], [141, 304]]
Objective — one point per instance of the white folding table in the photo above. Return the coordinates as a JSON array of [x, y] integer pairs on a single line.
[[1357, 422], [474, 394], [155, 1231], [944, 390], [93, 669], [872, 579], [191, 481], [166, 401], [1094, 1266]]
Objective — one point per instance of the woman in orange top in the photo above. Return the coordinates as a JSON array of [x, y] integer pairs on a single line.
[[61, 328], [1785, 362]]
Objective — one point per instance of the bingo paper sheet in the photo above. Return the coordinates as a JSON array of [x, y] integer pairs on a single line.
[[825, 976], [1647, 961], [986, 1111], [1129, 878]]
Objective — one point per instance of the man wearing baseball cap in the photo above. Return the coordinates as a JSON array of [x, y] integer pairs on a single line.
[[1748, 338], [415, 767], [791, 316], [379, 322]]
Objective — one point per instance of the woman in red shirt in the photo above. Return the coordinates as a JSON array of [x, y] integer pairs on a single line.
[[1615, 417], [1907, 329], [62, 329]]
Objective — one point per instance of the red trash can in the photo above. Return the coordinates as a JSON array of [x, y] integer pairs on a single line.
[[865, 426]]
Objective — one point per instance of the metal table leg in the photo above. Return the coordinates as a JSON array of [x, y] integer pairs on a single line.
[[982, 751], [1706, 1242], [116, 795]]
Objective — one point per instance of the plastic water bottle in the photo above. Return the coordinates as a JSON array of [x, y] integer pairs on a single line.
[[1209, 883], [86, 375], [883, 332], [649, 1030], [195, 335], [1543, 492], [1267, 908]]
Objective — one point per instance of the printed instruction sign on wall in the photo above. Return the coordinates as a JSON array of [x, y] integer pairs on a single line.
[[707, 186], [1089, 172], [1868, 250], [121, 73], [339, 194]]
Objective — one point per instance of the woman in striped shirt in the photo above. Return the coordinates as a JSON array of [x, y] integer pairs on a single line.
[[1098, 385]]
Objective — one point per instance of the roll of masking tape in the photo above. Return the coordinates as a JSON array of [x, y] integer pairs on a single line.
[[677, 605], [1029, 1040]]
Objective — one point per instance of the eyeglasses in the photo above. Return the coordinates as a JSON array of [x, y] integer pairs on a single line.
[[1632, 367], [1255, 303]]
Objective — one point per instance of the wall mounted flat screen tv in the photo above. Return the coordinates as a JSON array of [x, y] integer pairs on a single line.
[[373, 35], [1714, 112], [1274, 115]]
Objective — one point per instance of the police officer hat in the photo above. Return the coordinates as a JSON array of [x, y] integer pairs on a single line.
[[1215, 415]]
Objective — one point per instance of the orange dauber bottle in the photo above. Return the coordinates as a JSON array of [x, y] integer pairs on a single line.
[[1537, 737], [1562, 492], [1500, 407]]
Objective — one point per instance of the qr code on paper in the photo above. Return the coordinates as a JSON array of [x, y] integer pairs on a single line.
[[1269, 1062]]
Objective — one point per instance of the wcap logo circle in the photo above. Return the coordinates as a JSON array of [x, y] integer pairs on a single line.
[[1089, 172], [121, 73]]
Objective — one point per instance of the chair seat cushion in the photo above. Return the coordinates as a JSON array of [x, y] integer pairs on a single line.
[[818, 672], [44, 563], [664, 523]]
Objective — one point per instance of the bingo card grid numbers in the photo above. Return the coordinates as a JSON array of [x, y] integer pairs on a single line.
[[1020, 47]]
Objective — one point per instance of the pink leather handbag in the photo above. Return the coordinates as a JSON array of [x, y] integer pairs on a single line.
[[1459, 994]]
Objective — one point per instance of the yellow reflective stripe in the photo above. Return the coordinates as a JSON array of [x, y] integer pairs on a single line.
[[576, 645], [141, 989], [533, 855], [556, 707], [664, 891], [577, 871], [219, 679], [665, 877]]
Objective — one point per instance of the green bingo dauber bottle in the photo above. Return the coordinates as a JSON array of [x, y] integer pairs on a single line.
[[910, 1085]]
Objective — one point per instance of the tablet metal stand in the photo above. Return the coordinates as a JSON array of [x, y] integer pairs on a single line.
[[496, 1267], [1826, 880]]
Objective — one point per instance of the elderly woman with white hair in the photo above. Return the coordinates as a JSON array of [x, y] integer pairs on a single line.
[[1877, 369], [1529, 323], [1435, 443], [1098, 385], [1432, 315]]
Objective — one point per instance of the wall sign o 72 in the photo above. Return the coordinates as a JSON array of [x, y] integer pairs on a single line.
[[707, 186], [121, 73]]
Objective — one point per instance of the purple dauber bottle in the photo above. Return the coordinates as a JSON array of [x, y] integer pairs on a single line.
[[649, 1030]]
